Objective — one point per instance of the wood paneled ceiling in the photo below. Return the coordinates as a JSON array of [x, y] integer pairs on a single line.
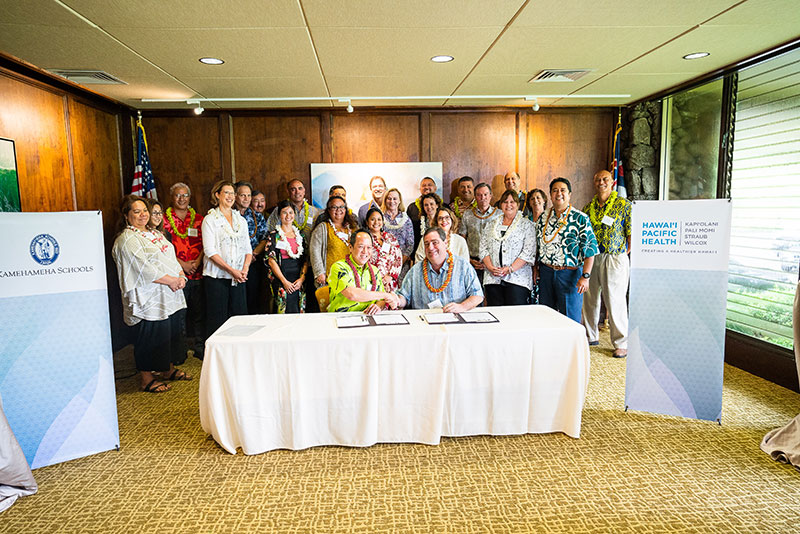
[[382, 48]]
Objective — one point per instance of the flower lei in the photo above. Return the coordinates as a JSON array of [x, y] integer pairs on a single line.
[[298, 238], [561, 225], [597, 216], [499, 222], [157, 239], [450, 270], [305, 218], [357, 277], [174, 227], [339, 234], [234, 229], [400, 217], [457, 210], [489, 212]]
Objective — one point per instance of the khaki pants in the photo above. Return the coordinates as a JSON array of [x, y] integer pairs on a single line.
[[610, 276]]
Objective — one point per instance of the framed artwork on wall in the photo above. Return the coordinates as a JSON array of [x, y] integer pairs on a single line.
[[9, 179]]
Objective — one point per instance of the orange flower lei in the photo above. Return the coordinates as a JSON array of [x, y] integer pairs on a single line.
[[560, 226], [450, 270]]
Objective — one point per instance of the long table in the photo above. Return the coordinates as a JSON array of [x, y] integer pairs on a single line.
[[298, 381]]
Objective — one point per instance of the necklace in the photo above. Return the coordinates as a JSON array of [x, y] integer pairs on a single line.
[[560, 225], [401, 217], [174, 226], [499, 222], [489, 212], [298, 238], [457, 210], [597, 214], [255, 222], [305, 218], [446, 280], [357, 277]]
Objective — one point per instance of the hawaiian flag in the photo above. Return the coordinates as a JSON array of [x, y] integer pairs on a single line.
[[143, 183], [616, 165]]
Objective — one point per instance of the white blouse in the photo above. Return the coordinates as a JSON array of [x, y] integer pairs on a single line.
[[142, 258], [519, 241], [232, 244]]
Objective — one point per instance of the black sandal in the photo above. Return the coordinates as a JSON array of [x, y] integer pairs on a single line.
[[154, 386]]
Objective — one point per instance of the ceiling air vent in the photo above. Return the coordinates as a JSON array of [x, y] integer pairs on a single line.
[[560, 75], [88, 77]]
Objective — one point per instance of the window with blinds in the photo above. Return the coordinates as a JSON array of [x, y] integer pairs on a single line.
[[765, 194]]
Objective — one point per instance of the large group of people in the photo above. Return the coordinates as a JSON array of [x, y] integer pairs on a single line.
[[182, 274]]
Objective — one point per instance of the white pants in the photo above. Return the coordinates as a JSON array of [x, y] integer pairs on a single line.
[[610, 275]]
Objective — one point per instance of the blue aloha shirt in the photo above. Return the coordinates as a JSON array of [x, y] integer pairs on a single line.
[[256, 227], [572, 244], [464, 283]]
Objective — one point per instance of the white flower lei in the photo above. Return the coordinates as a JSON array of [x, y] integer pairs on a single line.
[[401, 217], [499, 222], [218, 214], [298, 237]]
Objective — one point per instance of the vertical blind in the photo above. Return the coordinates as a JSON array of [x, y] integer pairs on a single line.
[[765, 195]]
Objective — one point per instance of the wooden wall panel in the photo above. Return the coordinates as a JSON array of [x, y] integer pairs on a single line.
[[375, 138], [271, 150], [574, 145], [482, 145], [34, 118], [95, 157], [185, 149]]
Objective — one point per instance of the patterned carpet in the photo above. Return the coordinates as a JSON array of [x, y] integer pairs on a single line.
[[629, 472]]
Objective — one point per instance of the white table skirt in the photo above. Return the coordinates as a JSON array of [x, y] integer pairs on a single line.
[[300, 382]]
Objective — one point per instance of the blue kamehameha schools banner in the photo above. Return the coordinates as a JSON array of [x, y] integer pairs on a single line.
[[56, 371], [679, 282]]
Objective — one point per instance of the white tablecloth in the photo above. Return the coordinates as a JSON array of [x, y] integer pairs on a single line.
[[16, 479], [299, 381]]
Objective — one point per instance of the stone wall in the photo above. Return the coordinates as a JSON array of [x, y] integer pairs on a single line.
[[641, 147]]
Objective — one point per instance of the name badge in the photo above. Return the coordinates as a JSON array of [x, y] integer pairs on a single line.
[[608, 221], [282, 245], [435, 304], [310, 219], [385, 247], [192, 232]]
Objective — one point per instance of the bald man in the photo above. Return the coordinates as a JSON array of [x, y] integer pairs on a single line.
[[610, 216]]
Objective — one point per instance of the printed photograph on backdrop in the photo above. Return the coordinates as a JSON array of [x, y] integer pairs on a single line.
[[355, 179], [9, 180]]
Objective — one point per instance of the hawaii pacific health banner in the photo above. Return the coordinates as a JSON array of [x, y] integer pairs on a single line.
[[679, 282], [56, 368]]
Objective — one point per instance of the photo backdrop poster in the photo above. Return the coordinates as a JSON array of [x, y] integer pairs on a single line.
[[56, 367], [9, 179], [679, 284], [355, 179]]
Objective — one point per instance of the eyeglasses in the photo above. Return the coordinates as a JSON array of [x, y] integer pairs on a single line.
[[157, 213], [337, 208], [182, 195]]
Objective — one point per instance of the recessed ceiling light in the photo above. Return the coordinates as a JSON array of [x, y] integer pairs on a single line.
[[442, 59], [211, 61], [696, 55]]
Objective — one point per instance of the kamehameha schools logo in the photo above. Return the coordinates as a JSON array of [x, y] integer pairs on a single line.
[[44, 249]]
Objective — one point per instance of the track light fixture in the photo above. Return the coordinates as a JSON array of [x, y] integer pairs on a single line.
[[349, 105], [199, 109]]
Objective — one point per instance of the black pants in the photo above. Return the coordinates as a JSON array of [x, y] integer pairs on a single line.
[[256, 278], [505, 294], [223, 300], [159, 343], [195, 332]]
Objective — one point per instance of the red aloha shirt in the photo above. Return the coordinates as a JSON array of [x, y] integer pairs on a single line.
[[189, 247]]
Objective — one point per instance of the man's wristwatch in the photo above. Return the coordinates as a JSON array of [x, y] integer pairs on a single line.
[[586, 275]]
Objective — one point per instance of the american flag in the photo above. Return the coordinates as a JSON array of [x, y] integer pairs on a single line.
[[143, 183], [616, 165]]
